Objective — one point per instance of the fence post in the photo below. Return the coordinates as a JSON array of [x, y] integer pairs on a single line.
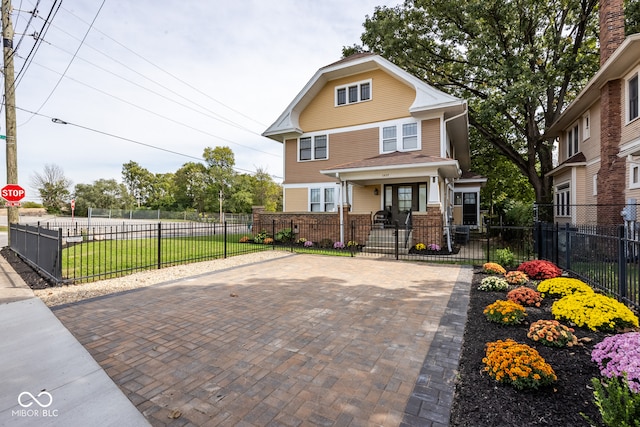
[[397, 238], [58, 266], [273, 233], [225, 238], [622, 263], [353, 248], [488, 241], [556, 246], [567, 252], [159, 245], [291, 241]]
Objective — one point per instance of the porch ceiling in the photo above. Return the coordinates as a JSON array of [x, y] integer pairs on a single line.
[[394, 167]]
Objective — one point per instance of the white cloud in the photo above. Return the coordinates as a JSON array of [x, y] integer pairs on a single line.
[[253, 56]]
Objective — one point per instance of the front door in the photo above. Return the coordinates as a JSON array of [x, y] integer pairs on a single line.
[[470, 208], [400, 199]]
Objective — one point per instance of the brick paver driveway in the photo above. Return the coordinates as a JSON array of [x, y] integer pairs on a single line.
[[298, 340]]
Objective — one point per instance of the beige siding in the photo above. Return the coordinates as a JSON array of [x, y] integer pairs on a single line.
[[365, 200], [580, 186], [344, 147], [591, 146], [296, 199], [590, 172], [390, 99], [431, 137]]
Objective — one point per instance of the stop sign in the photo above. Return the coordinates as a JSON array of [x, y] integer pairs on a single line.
[[12, 193]]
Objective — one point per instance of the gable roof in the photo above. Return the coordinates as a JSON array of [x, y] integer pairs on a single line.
[[618, 64], [427, 98]]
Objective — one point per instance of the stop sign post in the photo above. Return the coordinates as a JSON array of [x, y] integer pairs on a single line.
[[12, 193]]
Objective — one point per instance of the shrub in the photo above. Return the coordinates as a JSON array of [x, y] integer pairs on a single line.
[[539, 269], [505, 312], [338, 245], [493, 268], [268, 241], [326, 243], [259, 238], [505, 257], [421, 247], [244, 239], [552, 333], [525, 296], [618, 356], [517, 278], [433, 247], [352, 244], [518, 365], [308, 244], [301, 241], [493, 283], [618, 406], [285, 236], [595, 311], [563, 286]]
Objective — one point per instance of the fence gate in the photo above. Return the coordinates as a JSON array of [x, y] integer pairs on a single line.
[[40, 247]]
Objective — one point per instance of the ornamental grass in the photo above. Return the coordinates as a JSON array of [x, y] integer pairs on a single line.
[[552, 334], [525, 296], [493, 283], [505, 312], [563, 286], [540, 269], [518, 365], [619, 356], [516, 278], [493, 268], [594, 311]]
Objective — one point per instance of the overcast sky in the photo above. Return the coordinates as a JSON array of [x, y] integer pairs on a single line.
[[180, 75]]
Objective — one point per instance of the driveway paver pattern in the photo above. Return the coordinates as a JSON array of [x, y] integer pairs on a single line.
[[299, 340]]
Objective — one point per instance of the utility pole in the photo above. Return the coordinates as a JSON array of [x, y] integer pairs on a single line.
[[10, 105]]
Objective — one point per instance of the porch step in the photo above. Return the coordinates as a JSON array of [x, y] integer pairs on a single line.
[[383, 240]]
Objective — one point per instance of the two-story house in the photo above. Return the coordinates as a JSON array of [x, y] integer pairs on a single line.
[[363, 135], [599, 134]]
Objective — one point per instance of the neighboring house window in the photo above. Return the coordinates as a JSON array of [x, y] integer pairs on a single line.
[[633, 98], [634, 176], [322, 200], [457, 199], [313, 148], [353, 93], [563, 200], [400, 137], [586, 126], [572, 142]]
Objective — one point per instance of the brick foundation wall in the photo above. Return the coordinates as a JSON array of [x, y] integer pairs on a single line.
[[428, 227]]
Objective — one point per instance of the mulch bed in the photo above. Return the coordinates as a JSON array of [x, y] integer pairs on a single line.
[[481, 401], [24, 270]]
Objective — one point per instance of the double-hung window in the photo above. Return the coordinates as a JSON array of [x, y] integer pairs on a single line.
[[353, 93], [563, 200], [633, 97], [402, 137], [634, 175], [572, 141], [313, 148], [322, 199]]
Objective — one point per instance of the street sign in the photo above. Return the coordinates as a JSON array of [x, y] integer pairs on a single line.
[[13, 204], [12, 193]]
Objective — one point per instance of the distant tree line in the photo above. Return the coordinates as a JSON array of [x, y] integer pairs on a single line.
[[201, 187]]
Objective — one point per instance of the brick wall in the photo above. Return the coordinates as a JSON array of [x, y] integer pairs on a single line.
[[428, 227]]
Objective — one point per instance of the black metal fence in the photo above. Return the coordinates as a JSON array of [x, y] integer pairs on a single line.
[[606, 257]]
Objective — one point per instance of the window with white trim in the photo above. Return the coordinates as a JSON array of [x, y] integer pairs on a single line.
[[632, 93], [563, 200], [353, 93], [586, 126], [403, 137], [322, 199], [634, 175], [572, 141], [595, 184], [313, 148]]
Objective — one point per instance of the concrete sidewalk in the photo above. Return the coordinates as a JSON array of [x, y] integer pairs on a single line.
[[47, 376]]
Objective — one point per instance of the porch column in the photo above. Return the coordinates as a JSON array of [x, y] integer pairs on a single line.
[[434, 191]]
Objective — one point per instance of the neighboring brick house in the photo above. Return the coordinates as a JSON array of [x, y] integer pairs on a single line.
[[599, 133], [364, 135]]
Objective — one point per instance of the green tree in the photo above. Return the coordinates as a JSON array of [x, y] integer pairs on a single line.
[[632, 16], [53, 188], [190, 186], [220, 162], [518, 63], [139, 182], [162, 192], [267, 192], [102, 194]]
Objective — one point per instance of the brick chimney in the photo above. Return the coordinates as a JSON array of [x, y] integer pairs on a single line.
[[611, 176]]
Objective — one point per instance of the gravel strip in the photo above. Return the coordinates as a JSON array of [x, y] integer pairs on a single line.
[[73, 293]]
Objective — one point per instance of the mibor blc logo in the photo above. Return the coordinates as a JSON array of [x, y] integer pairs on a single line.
[[35, 406]]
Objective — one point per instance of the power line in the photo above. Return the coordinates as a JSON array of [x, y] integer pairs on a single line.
[[155, 147], [71, 61], [154, 113]]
